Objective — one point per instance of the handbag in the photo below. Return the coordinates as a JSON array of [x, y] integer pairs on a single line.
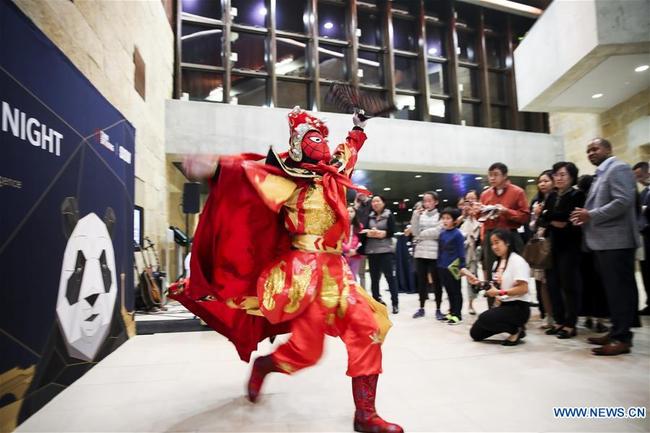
[[537, 252]]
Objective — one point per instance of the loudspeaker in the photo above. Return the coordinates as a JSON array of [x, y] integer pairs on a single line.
[[191, 197]]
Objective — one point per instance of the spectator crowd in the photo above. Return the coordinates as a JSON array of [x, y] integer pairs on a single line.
[[577, 241]]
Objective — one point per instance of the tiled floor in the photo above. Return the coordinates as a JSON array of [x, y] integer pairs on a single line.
[[435, 379]]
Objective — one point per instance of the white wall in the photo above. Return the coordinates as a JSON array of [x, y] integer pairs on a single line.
[[559, 39], [202, 127]]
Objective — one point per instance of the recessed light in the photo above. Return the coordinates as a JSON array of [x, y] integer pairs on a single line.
[[641, 68], [407, 199], [395, 202], [410, 210], [439, 190], [445, 201], [478, 178], [596, 95], [420, 195], [387, 188], [417, 176]]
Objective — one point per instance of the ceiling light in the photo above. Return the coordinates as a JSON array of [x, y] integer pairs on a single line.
[[433, 51], [596, 95], [417, 176], [387, 188], [407, 199], [410, 210], [641, 68], [439, 190], [420, 195], [485, 187], [395, 202], [445, 201], [328, 25], [262, 11], [531, 180], [478, 178]]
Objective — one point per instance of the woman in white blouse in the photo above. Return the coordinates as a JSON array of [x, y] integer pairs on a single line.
[[510, 288]]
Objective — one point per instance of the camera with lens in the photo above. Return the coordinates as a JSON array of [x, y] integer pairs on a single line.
[[484, 286]]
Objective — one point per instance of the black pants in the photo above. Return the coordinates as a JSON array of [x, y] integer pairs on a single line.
[[383, 264], [489, 257], [452, 286], [616, 269], [507, 317], [540, 301], [645, 268], [423, 268], [565, 286], [594, 298]]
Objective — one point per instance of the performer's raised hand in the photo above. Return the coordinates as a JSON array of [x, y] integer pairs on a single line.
[[199, 167], [359, 119]]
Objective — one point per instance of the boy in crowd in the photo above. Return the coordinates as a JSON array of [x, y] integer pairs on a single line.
[[451, 259]]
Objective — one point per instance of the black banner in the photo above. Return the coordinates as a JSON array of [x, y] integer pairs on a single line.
[[66, 220]]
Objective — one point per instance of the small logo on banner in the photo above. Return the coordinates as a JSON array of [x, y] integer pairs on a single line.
[[125, 155], [122, 152], [105, 140]]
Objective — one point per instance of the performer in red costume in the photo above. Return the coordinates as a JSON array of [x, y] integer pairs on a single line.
[[266, 260]]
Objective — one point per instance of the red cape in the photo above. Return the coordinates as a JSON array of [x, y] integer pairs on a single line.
[[237, 236]]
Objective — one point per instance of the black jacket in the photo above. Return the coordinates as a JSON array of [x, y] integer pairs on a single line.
[[558, 208]]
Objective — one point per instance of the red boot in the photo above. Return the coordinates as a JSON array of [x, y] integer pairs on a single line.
[[365, 417], [261, 367]]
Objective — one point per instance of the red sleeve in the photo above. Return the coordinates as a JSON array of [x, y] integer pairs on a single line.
[[346, 154], [237, 236]]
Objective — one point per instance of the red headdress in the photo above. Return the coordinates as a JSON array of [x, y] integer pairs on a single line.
[[300, 123]]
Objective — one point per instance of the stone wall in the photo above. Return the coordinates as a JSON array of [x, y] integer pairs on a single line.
[[626, 126], [100, 37]]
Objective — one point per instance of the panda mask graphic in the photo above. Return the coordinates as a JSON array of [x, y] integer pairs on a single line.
[[87, 288]]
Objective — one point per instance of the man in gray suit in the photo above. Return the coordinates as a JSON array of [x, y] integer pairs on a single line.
[[610, 230]]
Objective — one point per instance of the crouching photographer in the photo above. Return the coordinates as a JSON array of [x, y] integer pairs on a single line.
[[510, 288]]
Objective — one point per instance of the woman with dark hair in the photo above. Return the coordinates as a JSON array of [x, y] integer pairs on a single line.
[[544, 188], [379, 249], [425, 226], [566, 239], [352, 244], [510, 288]]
